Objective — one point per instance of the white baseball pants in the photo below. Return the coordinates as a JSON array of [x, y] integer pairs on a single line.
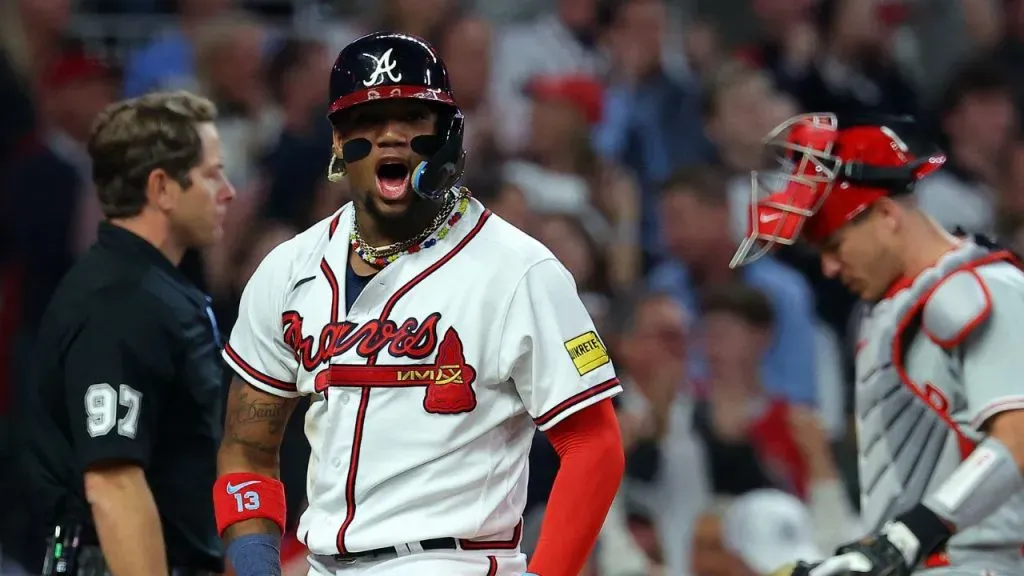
[[446, 562]]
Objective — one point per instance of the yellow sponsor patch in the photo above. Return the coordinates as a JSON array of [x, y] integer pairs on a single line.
[[587, 352]]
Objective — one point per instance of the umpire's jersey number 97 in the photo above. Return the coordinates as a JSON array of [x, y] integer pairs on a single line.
[[127, 369]]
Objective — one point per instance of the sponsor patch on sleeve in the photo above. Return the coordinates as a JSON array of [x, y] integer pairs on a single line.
[[587, 352]]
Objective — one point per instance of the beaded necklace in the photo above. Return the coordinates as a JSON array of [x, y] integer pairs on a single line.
[[439, 228]]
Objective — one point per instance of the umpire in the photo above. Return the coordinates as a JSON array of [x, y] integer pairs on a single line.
[[124, 415]]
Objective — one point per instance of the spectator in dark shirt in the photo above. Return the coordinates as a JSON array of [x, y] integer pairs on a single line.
[[50, 185], [854, 71], [788, 40], [746, 430], [293, 167], [978, 121]]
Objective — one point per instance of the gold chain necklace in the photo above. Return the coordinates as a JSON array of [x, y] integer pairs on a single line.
[[381, 256]]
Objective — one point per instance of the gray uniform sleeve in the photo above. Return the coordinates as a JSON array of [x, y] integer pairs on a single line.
[[992, 353]]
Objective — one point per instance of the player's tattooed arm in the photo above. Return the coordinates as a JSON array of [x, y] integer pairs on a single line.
[[253, 429]]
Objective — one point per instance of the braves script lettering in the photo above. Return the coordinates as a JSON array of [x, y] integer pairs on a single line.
[[411, 339]]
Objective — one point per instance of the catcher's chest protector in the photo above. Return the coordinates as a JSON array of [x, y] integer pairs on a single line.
[[913, 420]]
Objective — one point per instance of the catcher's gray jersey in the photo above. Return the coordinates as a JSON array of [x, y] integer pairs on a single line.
[[934, 361]]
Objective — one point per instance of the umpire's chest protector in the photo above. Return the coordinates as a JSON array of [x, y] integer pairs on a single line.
[[911, 407]]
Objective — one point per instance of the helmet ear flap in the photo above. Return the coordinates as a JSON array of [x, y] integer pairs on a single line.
[[445, 167]]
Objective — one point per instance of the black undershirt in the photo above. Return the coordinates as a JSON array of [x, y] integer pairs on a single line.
[[354, 285]]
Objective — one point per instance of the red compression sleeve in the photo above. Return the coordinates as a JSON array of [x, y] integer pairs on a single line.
[[589, 446]]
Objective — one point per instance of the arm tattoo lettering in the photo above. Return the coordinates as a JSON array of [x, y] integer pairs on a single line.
[[256, 422], [254, 412]]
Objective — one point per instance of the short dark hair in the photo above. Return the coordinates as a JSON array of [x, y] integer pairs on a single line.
[[978, 76], [706, 182], [749, 304], [133, 137]]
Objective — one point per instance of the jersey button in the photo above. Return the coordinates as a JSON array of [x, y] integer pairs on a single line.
[[336, 462], [344, 397]]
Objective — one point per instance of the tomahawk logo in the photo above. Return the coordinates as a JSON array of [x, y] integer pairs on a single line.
[[383, 66]]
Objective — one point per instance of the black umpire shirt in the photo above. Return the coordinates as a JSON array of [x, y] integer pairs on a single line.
[[128, 369]]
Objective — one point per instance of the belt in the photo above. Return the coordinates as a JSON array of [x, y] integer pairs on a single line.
[[390, 551]]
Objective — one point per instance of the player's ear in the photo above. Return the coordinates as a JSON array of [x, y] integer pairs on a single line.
[[889, 212], [336, 168], [337, 140]]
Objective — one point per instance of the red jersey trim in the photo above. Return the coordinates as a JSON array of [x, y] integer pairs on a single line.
[[510, 544], [246, 369], [575, 400], [334, 225]]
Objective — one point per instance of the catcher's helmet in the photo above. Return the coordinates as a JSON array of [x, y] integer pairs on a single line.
[[827, 173], [385, 65]]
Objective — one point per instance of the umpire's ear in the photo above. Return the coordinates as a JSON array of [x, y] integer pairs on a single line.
[[162, 191]]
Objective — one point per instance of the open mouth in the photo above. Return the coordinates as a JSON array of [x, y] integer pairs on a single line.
[[393, 180]]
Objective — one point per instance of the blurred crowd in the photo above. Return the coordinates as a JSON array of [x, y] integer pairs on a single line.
[[621, 134]]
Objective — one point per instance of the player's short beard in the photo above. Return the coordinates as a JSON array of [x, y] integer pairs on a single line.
[[397, 227]]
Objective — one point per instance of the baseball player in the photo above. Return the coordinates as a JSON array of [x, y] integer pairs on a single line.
[[432, 339], [939, 359]]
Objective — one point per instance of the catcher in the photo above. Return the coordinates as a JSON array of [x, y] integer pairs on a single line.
[[940, 352]]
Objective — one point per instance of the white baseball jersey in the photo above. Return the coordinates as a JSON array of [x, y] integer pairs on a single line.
[[427, 391], [937, 358]]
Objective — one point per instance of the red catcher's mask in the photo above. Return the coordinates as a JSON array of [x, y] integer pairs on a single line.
[[823, 174]]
